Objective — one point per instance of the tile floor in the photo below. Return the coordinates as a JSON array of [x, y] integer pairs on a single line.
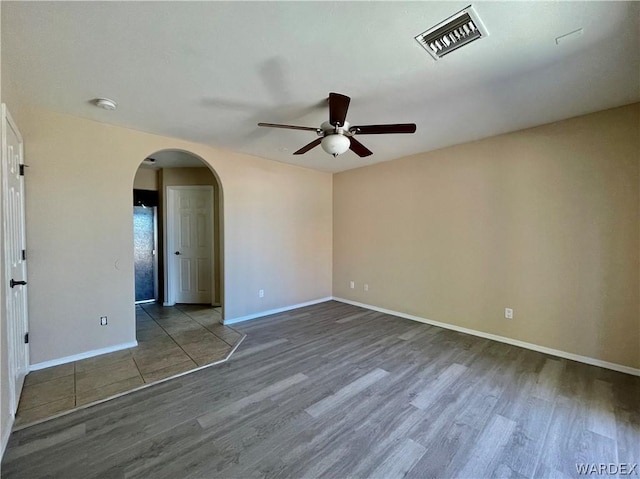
[[171, 340]]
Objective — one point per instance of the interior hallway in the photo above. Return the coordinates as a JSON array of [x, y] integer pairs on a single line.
[[171, 341]]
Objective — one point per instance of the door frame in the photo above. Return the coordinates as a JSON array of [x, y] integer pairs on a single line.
[[17, 372], [155, 257], [170, 241]]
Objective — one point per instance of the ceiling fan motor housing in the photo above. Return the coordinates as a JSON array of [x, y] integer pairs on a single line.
[[328, 129]]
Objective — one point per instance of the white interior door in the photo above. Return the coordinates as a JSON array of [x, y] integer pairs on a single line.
[[190, 235], [15, 267]]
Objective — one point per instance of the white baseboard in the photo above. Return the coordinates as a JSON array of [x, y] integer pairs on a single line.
[[85, 355], [275, 311], [5, 435], [514, 342]]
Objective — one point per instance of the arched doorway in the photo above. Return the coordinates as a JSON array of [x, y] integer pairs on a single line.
[[165, 182]]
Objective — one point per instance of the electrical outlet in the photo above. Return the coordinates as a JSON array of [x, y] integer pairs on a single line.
[[352, 284], [261, 293], [508, 313], [103, 320], [366, 287]]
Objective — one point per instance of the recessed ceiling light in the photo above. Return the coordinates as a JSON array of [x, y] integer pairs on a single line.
[[105, 103]]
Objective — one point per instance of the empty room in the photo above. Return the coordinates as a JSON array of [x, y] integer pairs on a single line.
[[324, 239]]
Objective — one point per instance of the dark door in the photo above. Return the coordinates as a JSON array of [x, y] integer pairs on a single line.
[[144, 239]]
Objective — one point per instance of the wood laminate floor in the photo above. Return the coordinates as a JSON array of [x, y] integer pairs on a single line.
[[336, 391]]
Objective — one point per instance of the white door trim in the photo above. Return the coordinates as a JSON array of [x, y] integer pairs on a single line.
[[170, 240], [156, 253]]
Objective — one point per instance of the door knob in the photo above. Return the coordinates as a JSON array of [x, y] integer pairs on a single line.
[[13, 283], [177, 252]]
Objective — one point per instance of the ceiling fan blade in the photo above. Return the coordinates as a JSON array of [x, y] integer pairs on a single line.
[[289, 127], [338, 106], [311, 145], [358, 148], [380, 129]]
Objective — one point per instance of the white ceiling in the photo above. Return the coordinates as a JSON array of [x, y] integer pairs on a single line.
[[210, 71]]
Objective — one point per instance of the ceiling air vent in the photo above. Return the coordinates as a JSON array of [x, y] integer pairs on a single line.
[[453, 33]]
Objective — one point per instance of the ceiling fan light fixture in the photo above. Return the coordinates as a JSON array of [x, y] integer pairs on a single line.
[[336, 136], [335, 144]]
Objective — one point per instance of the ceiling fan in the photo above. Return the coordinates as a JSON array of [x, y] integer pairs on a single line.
[[336, 136]]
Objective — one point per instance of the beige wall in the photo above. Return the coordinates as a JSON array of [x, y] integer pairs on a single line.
[[146, 179], [544, 221], [277, 227], [185, 177]]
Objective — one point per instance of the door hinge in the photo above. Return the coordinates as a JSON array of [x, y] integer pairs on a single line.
[[26, 338], [24, 255], [13, 283]]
